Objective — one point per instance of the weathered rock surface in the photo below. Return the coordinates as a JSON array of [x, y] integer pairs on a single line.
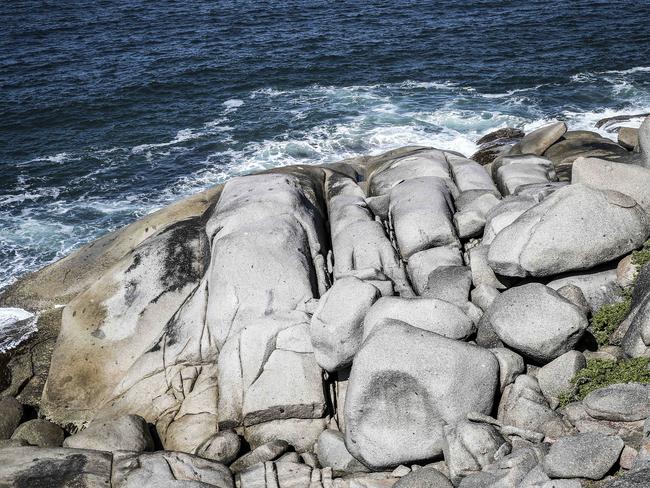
[[539, 140], [126, 433], [536, 321], [11, 411], [332, 453], [619, 402], [426, 477], [39, 432], [589, 455], [395, 409], [595, 226], [336, 328], [555, 377]]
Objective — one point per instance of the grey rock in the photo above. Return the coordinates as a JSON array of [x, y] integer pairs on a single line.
[[483, 295], [536, 321], [395, 409], [331, 452], [222, 447], [513, 172], [644, 143], [485, 334], [539, 191], [590, 455], [595, 226], [11, 411], [482, 273], [555, 377], [125, 433], [52, 467], [624, 402], [469, 447], [337, 325], [40, 432], [430, 314], [566, 152], [301, 434], [504, 214], [634, 479], [423, 263], [523, 406], [508, 472], [511, 365], [168, 468], [426, 477], [505, 133], [628, 137], [449, 283], [421, 215], [629, 179], [598, 286], [469, 175], [266, 452], [471, 212], [539, 140], [289, 457], [574, 294]]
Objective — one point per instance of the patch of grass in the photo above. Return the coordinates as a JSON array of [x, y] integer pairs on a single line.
[[603, 372], [607, 319], [641, 257]]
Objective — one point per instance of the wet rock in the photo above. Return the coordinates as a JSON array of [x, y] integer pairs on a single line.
[[39, 432], [505, 133], [589, 455], [395, 409], [536, 321]]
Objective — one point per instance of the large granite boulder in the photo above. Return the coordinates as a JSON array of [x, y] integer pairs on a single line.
[[126, 433], [539, 140], [405, 385], [577, 227], [536, 321]]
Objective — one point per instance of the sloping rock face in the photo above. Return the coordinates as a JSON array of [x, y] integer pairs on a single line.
[[312, 327]]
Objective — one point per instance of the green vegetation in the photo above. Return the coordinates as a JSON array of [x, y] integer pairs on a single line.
[[607, 319], [602, 372], [641, 257]]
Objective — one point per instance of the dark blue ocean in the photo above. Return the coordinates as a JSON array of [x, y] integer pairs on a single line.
[[110, 110]]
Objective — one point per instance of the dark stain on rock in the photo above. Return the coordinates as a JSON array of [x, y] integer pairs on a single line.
[[186, 254], [53, 473], [99, 334], [136, 262]]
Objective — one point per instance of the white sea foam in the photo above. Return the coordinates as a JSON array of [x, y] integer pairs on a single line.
[[16, 325]]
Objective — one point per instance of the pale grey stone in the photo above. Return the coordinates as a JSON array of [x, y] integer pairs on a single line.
[[331, 452], [514, 172], [469, 447], [629, 179], [624, 402], [421, 215], [423, 263], [504, 214], [430, 314], [266, 452], [168, 468], [555, 377], [536, 321], [599, 287], [426, 477], [449, 283], [395, 409], [589, 455], [539, 140], [574, 294], [483, 295], [577, 227], [222, 447], [511, 365], [469, 175], [470, 217], [337, 325], [125, 433], [299, 433], [482, 273]]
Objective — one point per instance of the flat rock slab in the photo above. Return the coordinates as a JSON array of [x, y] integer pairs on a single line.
[[405, 384], [621, 402]]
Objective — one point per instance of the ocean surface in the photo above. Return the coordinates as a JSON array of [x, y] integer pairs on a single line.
[[111, 110]]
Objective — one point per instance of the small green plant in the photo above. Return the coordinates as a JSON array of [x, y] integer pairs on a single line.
[[607, 319], [641, 257], [603, 372]]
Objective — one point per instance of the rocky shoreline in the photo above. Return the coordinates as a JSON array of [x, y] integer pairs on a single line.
[[414, 319]]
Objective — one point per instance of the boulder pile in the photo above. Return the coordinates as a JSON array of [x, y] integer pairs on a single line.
[[414, 319]]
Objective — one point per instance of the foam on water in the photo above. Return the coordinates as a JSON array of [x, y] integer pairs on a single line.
[[44, 218], [16, 325]]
